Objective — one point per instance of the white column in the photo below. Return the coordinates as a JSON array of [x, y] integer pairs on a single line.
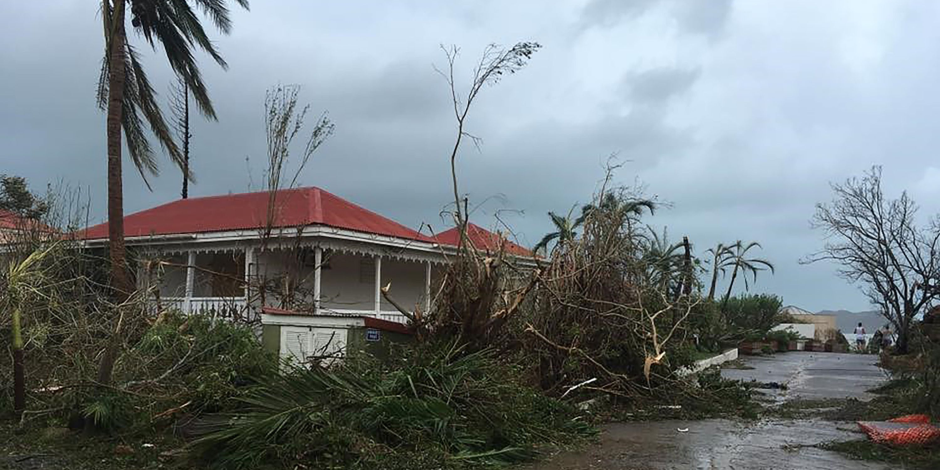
[[249, 262], [190, 278], [378, 285], [317, 260], [427, 287]]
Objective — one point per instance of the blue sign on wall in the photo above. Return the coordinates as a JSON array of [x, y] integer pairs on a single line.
[[373, 335]]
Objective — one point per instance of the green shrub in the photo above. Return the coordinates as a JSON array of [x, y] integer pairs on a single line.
[[782, 336], [753, 313]]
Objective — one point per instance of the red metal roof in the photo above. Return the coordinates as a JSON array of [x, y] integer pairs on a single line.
[[13, 221], [9, 220], [482, 239], [292, 208]]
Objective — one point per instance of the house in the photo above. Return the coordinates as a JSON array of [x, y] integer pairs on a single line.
[[17, 228], [811, 325], [297, 250]]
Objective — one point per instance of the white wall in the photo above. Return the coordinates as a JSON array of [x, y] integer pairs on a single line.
[[173, 280], [347, 281], [806, 330]]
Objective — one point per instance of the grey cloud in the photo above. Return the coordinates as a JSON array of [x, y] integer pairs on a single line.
[[607, 13], [703, 17], [741, 135], [657, 86]]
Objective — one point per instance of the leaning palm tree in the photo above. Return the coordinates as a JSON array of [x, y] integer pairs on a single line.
[[565, 229], [746, 265], [125, 93], [722, 259]]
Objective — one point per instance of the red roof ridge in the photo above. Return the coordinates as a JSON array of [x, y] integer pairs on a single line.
[[294, 207], [316, 205], [483, 239]]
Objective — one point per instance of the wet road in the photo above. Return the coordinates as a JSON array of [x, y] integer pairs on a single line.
[[725, 444], [814, 376]]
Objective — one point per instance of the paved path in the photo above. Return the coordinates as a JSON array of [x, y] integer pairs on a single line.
[[726, 444], [813, 376]]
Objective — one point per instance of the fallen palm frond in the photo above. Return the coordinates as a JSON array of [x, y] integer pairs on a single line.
[[437, 400]]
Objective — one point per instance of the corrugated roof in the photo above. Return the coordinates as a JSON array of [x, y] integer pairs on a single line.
[[292, 208], [13, 221], [482, 239], [9, 220]]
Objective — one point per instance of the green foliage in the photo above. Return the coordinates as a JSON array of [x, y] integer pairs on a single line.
[[213, 361], [435, 401], [753, 313], [707, 324], [782, 336], [110, 411], [16, 198]]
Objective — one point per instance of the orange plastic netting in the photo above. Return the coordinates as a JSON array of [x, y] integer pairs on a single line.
[[910, 430]]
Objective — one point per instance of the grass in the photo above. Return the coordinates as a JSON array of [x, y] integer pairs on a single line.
[[902, 457], [57, 448]]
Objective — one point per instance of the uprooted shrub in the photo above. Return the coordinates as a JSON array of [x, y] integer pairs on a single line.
[[434, 405], [600, 315]]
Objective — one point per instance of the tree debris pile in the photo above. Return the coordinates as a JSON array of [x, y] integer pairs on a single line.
[[166, 367], [603, 309], [434, 406]]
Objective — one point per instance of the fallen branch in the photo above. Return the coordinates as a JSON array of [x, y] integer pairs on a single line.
[[385, 293]]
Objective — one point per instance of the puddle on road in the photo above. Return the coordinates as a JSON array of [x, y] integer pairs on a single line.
[[714, 444], [725, 444]]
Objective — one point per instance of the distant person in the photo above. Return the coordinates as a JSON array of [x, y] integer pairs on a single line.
[[860, 337], [886, 337]]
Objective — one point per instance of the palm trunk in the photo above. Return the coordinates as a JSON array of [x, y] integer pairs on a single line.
[[185, 140], [711, 290], [734, 275], [687, 267], [19, 375], [120, 281]]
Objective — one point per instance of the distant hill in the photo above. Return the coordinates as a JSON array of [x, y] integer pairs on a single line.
[[847, 321]]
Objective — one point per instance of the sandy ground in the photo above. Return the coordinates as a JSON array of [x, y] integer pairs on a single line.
[[725, 444]]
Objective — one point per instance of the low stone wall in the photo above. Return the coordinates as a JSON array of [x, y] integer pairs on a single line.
[[699, 366]]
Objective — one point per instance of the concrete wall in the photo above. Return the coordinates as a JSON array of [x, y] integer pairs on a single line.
[[806, 330], [356, 341], [824, 325]]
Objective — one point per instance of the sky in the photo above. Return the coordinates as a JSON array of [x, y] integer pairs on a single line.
[[735, 114]]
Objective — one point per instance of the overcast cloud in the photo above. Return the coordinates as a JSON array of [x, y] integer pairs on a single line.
[[737, 113]]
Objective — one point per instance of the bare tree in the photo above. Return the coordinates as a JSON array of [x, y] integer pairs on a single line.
[[283, 121], [495, 63], [879, 246]]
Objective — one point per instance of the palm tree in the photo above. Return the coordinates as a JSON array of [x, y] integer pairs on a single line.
[[125, 93], [630, 208], [664, 259], [722, 259], [747, 265], [565, 228]]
